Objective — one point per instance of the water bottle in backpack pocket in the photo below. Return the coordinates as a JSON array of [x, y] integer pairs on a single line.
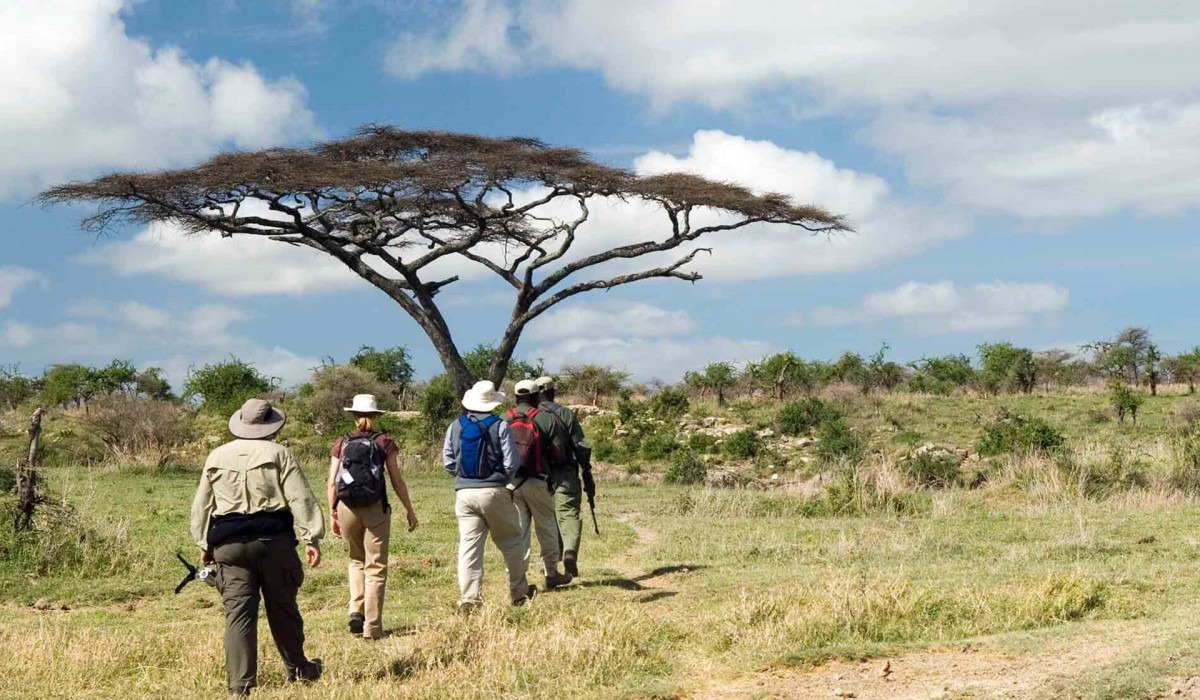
[[473, 460], [360, 478]]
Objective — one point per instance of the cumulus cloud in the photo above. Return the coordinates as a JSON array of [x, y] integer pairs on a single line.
[[943, 307], [78, 94], [1044, 110], [172, 340], [13, 279], [647, 341], [609, 318]]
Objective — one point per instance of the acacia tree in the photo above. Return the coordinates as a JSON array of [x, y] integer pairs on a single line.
[[389, 204]]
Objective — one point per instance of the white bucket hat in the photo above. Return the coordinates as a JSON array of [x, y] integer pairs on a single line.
[[364, 404], [482, 398], [525, 387]]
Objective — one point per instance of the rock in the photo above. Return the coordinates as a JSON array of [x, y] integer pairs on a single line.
[[774, 477], [585, 411], [766, 433], [839, 693], [708, 422], [814, 486], [717, 478], [804, 442], [41, 604], [620, 432]]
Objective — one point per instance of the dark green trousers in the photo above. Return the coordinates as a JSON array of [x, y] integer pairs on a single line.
[[568, 504], [269, 569]]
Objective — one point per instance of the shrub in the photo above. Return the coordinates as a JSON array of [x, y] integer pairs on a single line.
[[702, 443], [135, 429], [391, 366], [1125, 401], [658, 446], [1015, 433], [800, 417], [223, 387], [669, 404], [932, 469], [333, 387], [838, 441], [1187, 416], [60, 543], [686, 468], [438, 404], [744, 444]]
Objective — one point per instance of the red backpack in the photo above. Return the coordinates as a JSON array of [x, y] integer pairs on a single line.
[[528, 440]]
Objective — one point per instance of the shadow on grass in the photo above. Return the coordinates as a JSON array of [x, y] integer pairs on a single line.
[[655, 596], [635, 583]]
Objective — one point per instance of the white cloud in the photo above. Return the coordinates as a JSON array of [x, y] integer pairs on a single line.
[[647, 341], [236, 266], [607, 319], [1043, 109], [77, 94], [174, 341], [1140, 156], [16, 335], [478, 37], [942, 307], [13, 279]]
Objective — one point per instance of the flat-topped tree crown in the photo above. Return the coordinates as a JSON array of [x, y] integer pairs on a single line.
[[389, 203]]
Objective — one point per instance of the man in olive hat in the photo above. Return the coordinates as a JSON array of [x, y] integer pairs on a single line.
[[252, 504], [565, 477]]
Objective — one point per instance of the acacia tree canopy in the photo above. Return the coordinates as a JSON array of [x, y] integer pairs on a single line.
[[390, 203]]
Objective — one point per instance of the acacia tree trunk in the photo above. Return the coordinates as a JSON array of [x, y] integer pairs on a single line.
[[27, 494]]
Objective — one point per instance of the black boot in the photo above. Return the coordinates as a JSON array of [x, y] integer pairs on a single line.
[[571, 564], [357, 622]]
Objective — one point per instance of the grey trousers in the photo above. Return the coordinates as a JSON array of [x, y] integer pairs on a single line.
[[247, 570], [482, 511]]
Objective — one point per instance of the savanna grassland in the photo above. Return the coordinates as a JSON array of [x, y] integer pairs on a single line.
[[1050, 567]]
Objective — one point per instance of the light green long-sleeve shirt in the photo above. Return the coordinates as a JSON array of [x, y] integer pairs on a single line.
[[255, 476]]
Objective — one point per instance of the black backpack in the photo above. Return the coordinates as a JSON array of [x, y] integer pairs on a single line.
[[360, 478]]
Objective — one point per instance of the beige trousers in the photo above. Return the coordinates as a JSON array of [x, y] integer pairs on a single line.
[[479, 512], [367, 531], [535, 506]]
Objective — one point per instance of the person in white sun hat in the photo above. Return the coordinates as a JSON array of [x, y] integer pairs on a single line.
[[480, 454], [361, 515]]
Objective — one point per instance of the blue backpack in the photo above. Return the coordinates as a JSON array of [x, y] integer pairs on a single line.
[[472, 448]]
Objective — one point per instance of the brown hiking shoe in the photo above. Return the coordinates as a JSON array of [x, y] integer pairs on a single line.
[[554, 580]]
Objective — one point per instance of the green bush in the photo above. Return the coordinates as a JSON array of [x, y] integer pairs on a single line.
[[838, 441], [334, 387], [669, 404], [744, 444], [686, 468], [701, 443], [60, 543], [932, 470], [224, 386], [658, 446], [800, 417], [1015, 433], [439, 404]]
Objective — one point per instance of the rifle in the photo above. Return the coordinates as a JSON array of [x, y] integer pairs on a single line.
[[592, 507], [207, 574], [589, 487]]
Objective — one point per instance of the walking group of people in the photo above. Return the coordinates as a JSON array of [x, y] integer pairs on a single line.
[[525, 472]]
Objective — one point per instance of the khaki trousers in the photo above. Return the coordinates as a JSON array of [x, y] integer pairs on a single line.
[[367, 531], [535, 506], [479, 512], [245, 571]]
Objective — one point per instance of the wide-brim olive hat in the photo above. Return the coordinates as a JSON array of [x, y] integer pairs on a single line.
[[255, 420]]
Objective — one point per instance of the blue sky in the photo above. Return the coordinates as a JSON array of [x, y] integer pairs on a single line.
[[1037, 186]]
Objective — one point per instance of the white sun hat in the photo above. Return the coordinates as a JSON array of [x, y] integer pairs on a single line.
[[525, 387], [364, 404], [544, 383], [482, 398]]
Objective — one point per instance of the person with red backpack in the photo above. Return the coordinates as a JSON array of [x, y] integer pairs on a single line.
[[480, 455], [540, 441], [360, 464]]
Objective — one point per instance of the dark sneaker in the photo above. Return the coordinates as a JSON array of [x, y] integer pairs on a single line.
[[571, 564], [357, 622], [556, 579], [306, 674]]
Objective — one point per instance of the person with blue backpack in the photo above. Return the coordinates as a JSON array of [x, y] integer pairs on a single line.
[[480, 454], [361, 463]]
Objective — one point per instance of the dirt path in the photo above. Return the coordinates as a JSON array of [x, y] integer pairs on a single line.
[[944, 673]]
